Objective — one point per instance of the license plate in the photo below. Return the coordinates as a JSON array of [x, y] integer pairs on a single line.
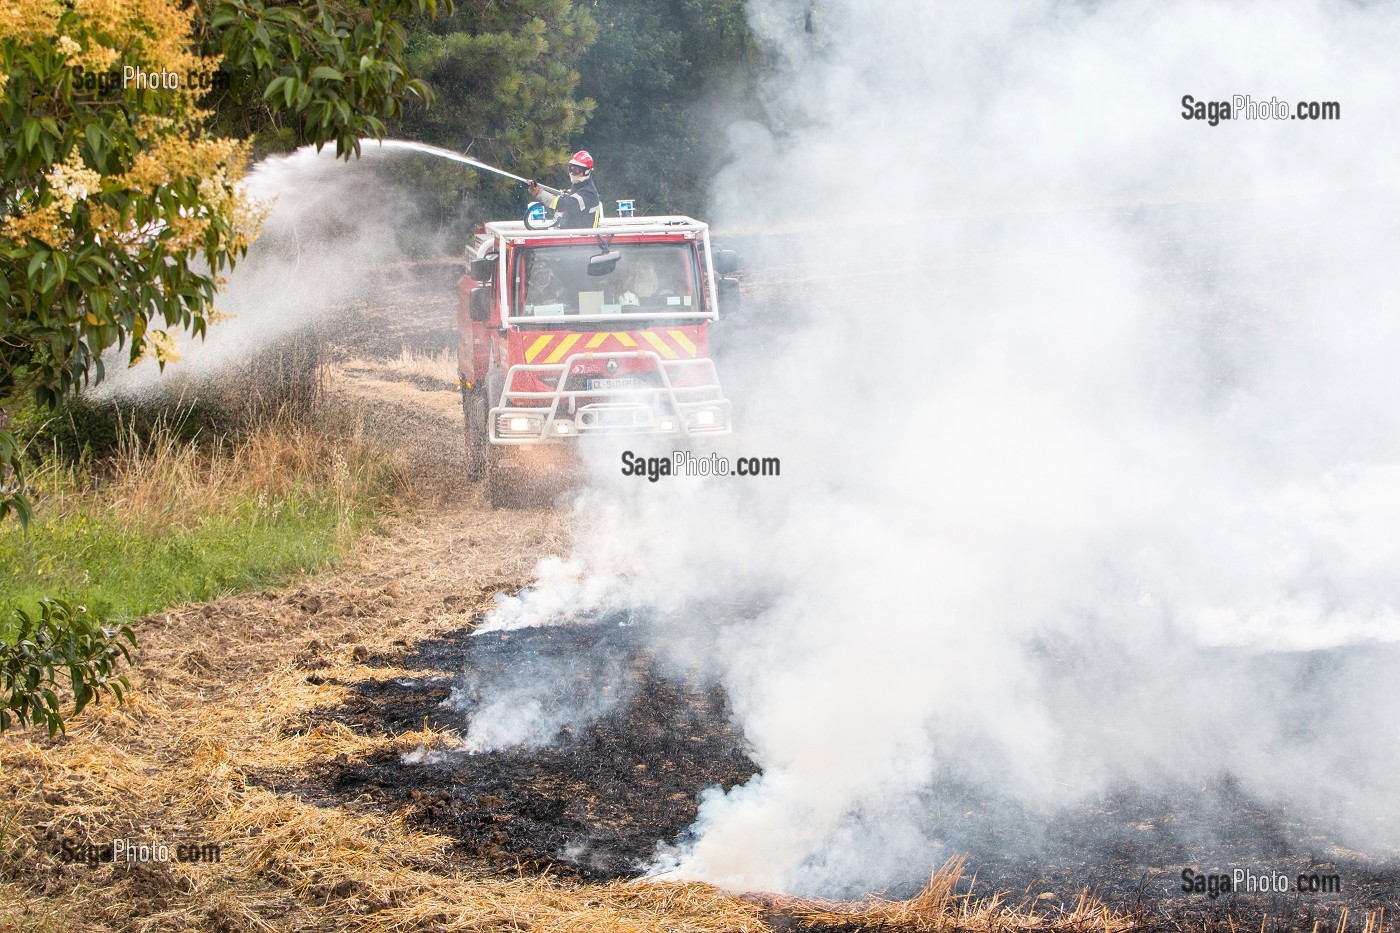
[[618, 383]]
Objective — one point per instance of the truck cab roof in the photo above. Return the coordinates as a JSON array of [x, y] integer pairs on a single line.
[[672, 223]]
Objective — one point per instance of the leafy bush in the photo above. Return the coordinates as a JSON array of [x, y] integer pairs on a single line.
[[119, 210], [59, 642]]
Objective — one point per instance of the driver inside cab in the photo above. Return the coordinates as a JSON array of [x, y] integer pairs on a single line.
[[650, 286], [542, 285]]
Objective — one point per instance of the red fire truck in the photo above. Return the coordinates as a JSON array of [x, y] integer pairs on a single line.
[[567, 334]]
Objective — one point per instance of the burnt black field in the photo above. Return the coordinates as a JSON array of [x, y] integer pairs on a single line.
[[610, 786]]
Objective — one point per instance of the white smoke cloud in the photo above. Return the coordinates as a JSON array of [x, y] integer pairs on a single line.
[[1089, 430]]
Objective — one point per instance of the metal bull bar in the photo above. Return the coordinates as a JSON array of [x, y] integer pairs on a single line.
[[663, 409]]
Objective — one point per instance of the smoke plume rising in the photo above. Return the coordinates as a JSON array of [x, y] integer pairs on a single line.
[[1089, 434]]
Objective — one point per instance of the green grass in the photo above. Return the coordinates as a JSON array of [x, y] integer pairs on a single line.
[[121, 573], [166, 520]]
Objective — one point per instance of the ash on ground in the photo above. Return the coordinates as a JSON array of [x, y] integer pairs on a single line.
[[583, 751], [594, 788]]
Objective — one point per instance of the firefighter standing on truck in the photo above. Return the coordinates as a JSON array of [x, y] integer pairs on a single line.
[[580, 205]]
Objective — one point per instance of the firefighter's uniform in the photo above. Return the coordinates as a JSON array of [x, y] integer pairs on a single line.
[[580, 205]]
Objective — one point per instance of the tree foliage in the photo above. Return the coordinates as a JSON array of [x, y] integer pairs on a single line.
[[119, 212], [647, 86], [669, 77], [312, 72], [118, 208], [505, 86]]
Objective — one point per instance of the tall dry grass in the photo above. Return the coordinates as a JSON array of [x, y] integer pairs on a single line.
[[947, 904], [163, 481], [439, 367], [158, 478]]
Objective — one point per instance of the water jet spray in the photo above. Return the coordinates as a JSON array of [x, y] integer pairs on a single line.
[[537, 217]]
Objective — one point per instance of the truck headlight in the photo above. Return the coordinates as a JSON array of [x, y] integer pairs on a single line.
[[521, 424], [705, 419]]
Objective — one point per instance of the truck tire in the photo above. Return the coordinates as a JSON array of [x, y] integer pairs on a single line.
[[505, 489], [474, 412]]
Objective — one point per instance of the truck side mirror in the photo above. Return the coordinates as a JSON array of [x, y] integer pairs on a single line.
[[726, 261], [481, 303], [484, 269], [728, 297]]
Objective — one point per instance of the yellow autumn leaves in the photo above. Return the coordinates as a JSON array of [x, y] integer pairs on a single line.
[[103, 35], [69, 182], [135, 31], [153, 138]]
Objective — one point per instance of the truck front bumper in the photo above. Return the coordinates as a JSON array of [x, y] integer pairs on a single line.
[[559, 415]]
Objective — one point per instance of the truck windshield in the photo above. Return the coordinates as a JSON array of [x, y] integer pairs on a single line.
[[649, 278]]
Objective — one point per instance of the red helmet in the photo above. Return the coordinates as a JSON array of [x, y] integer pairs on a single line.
[[582, 160]]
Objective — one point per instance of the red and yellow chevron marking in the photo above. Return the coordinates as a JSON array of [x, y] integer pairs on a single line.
[[597, 340], [539, 344], [670, 343], [561, 348], [683, 342]]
